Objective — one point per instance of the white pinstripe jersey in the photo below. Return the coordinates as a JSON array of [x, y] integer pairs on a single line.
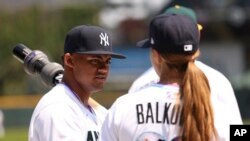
[[59, 115]]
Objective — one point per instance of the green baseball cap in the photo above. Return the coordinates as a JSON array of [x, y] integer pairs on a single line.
[[177, 9]]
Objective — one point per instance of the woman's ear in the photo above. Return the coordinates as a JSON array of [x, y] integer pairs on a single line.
[[68, 60], [155, 56], [156, 60]]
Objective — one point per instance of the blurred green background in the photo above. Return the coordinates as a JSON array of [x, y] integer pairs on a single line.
[[42, 25]]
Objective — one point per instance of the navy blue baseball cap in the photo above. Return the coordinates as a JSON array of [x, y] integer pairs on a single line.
[[172, 33], [86, 39]]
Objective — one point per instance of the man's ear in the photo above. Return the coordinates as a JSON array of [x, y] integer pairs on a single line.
[[68, 60]]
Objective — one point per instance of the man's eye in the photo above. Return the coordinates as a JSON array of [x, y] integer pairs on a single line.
[[108, 62], [95, 62], [99, 62]]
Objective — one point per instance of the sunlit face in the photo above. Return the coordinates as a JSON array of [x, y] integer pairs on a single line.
[[91, 71]]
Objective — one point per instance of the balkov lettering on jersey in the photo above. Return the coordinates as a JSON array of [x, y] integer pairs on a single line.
[[168, 113]]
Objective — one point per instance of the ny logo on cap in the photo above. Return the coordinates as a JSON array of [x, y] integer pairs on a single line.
[[104, 39], [188, 47]]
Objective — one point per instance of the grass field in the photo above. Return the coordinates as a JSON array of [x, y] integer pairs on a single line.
[[15, 134]]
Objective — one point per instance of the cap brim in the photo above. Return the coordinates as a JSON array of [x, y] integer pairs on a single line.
[[113, 55], [143, 43]]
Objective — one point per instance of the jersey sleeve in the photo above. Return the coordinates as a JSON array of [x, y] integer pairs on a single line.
[[226, 110], [227, 97], [223, 93], [57, 123]]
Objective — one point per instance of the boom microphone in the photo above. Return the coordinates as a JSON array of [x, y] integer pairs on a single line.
[[36, 62]]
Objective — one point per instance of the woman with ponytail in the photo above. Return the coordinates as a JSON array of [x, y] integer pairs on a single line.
[[181, 106]]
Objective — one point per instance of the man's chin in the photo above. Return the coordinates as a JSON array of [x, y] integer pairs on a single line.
[[98, 88]]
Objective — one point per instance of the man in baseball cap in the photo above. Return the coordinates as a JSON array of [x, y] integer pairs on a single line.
[[67, 111]]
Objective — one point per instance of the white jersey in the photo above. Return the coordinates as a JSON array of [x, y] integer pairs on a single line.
[[152, 112], [219, 85], [59, 115]]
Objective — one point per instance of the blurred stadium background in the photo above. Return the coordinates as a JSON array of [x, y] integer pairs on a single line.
[[42, 25]]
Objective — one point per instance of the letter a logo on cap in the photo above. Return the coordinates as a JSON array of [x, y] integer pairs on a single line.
[[188, 47], [104, 39]]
